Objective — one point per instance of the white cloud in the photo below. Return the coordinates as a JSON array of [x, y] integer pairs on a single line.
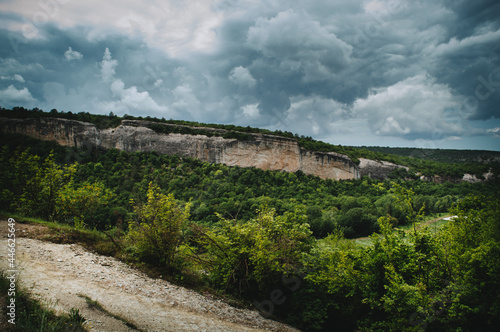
[[185, 100], [454, 45], [391, 126], [494, 131], [126, 100], [18, 78], [108, 66], [131, 101], [417, 106], [71, 55], [315, 115], [14, 97], [176, 27], [158, 83], [15, 77], [374, 6], [242, 76], [250, 111]]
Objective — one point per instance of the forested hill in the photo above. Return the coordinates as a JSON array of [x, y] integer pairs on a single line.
[[277, 241], [451, 164], [440, 155]]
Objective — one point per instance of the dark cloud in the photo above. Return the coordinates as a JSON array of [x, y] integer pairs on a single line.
[[401, 70], [472, 15], [301, 44]]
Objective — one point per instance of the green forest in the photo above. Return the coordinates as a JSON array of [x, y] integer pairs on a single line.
[[286, 244]]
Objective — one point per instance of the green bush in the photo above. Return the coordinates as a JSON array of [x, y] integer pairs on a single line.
[[251, 256], [157, 231]]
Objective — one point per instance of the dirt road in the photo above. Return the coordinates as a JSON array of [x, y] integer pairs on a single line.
[[64, 274]]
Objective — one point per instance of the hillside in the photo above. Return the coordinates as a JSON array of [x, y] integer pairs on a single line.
[[267, 152], [335, 161], [112, 296], [272, 240]]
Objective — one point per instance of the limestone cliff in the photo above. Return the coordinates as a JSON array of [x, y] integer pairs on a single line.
[[377, 169], [266, 152]]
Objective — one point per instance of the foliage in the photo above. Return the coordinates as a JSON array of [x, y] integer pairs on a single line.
[[440, 155], [251, 256], [30, 185], [79, 205], [405, 202], [471, 250], [412, 281], [157, 232], [235, 192], [185, 130], [409, 281]]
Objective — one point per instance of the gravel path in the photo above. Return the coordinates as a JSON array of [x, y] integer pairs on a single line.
[[64, 274]]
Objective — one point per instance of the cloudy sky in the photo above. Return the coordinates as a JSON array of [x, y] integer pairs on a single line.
[[374, 72]]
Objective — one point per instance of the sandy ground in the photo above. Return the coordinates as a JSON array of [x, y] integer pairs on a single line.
[[63, 274]]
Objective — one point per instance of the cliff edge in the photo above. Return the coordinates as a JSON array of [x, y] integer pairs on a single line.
[[266, 152]]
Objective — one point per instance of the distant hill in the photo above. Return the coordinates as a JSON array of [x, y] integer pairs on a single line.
[[440, 155]]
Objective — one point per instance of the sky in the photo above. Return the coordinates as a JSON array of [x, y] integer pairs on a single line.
[[374, 72]]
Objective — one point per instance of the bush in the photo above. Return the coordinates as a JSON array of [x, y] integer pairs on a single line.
[[157, 231], [248, 257]]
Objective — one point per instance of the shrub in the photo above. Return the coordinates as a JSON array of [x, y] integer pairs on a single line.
[[251, 256], [157, 231]]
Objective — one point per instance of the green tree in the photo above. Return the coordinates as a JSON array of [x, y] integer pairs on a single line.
[[78, 205], [405, 202], [40, 183], [157, 232], [251, 256], [331, 286], [470, 249], [54, 179]]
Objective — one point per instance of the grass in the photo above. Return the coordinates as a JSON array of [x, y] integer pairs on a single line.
[[32, 315], [93, 304], [93, 240], [433, 222]]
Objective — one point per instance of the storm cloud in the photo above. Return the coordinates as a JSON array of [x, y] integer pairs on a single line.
[[376, 72]]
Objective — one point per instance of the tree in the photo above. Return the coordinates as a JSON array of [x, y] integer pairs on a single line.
[[157, 232], [54, 179], [470, 248], [77, 205], [405, 202], [40, 184], [251, 256]]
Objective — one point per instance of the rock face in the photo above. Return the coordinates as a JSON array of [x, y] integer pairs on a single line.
[[266, 152], [377, 169]]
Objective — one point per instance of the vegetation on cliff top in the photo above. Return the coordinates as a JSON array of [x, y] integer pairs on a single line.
[[420, 161]]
